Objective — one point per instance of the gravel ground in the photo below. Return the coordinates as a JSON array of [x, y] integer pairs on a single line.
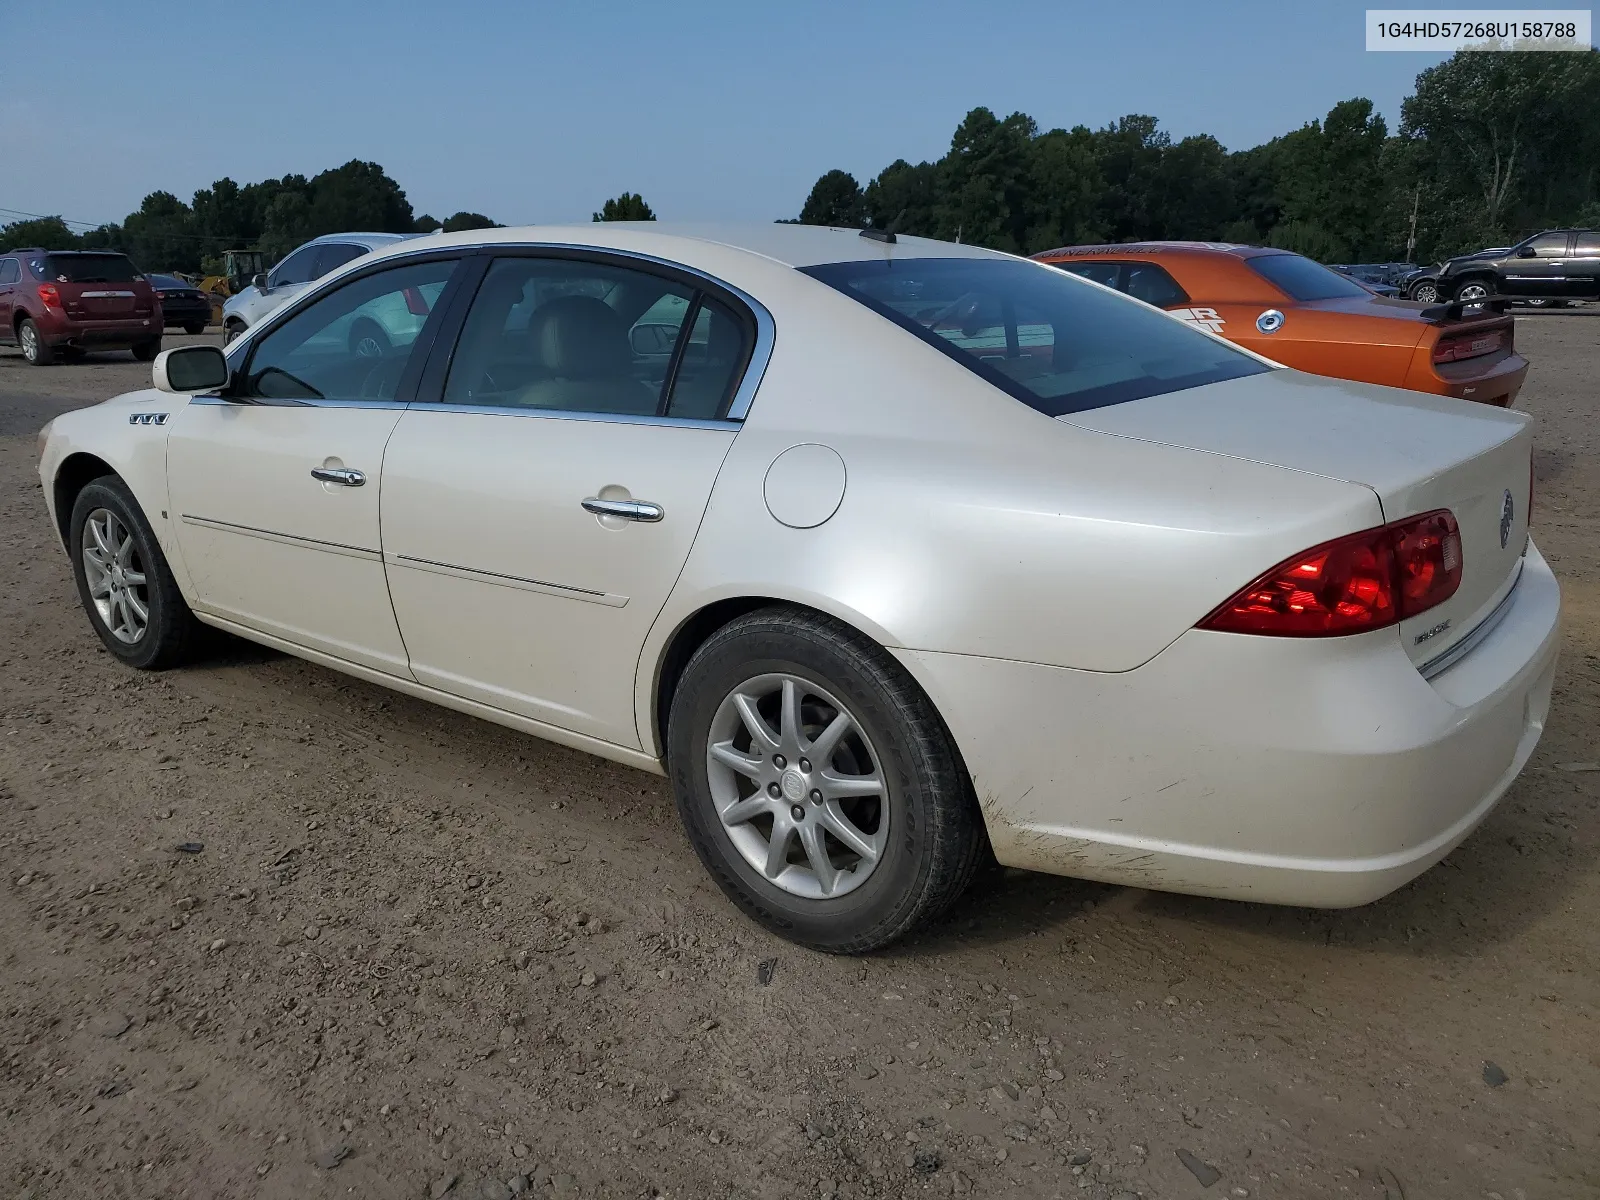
[[268, 931]]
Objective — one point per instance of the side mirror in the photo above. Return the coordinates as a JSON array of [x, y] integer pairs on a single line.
[[1526, 252], [185, 369], [259, 282]]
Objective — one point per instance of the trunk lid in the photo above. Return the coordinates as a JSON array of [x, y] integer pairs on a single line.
[[1418, 452]]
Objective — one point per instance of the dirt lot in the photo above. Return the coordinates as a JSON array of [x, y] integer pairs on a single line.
[[467, 960]]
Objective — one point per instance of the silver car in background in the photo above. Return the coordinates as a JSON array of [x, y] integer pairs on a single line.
[[297, 271]]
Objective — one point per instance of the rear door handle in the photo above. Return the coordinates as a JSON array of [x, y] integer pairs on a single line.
[[339, 475], [628, 510]]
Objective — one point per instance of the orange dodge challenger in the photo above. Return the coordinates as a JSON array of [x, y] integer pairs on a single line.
[[1303, 315]]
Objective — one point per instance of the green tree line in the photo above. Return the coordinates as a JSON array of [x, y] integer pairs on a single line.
[[1490, 147]]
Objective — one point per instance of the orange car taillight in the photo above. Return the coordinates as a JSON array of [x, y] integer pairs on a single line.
[[50, 295], [1454, 349], [1362, 581]]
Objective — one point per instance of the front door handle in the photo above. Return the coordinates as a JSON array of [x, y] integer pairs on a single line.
[[340, 475], [628, 510]]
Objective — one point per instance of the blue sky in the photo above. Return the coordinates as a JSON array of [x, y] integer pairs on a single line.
[[537, 112]]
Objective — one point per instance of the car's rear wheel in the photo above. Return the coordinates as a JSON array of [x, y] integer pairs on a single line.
[[368, 340], [817, 783], [195, 327], [35, 350], [124, 581], [147, 351], [1474, 290]]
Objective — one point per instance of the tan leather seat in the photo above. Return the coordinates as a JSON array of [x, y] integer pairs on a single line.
[[582, 346]]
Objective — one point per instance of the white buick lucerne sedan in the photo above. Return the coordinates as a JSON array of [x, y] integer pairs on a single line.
[[891, 554]]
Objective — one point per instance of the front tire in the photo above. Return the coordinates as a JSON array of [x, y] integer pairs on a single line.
[[35, 350], [1426, 293], [231, 330], [1475, 290], [368, 340], [124, 581], [818, 785]]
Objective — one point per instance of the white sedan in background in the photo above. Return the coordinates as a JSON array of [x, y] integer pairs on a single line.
[[890, 553]]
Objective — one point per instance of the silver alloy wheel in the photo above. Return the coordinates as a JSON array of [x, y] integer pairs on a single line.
[[798, 786], [1472, 291], [1427, 293], [30, 341], [115, 576], [367, 347]]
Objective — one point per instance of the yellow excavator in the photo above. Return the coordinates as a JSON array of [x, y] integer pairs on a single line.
[[239, 267]]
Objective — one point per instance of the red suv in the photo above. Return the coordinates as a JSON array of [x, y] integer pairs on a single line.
[[64, 301]]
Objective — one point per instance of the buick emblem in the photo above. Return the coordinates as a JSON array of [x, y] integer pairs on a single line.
[[1508, 510]]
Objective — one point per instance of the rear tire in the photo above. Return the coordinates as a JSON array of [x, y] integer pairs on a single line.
[[194, 328], [34, 348], [1426, 293], [368, 340], [878, 836], [124, 581], [147, 351]]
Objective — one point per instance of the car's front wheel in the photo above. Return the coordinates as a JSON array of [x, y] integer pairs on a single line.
[[231, 330], [35, 350], [1426, 293], [368, 340], [124, 581], [1474, 290], [817, 783]]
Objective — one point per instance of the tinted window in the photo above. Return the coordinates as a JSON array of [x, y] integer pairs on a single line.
[[88, 268], [1148, 282], [335, 254], [1038, 334], [352, 344], [1551, 245], [580, 335], [9, 271], [1301, 279], [1588, 244], [168, 283], [1106, 273], [297, 268]]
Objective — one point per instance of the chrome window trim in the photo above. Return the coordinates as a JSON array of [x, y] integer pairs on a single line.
[[1443, 662], [755, 370], [213, 398], [561, 414]]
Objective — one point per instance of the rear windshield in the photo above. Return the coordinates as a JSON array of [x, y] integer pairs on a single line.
[[170, 283], [1045, 337], [1302, 279], [87, 268]]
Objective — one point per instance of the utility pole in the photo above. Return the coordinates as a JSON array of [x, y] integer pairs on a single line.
[[1411, 240]]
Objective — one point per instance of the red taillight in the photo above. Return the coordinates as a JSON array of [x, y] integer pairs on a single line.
[[1468, 345], [416, 302], [50, 295], [1363, 581]]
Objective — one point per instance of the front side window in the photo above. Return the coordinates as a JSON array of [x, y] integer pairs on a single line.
[[296, 268], [1551, 245], [352, 344], [1301, 279], [1036, 333], [334, 254], [582, 335]]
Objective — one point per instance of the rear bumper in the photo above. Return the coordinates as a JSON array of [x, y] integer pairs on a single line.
[[58, 329], [1321, 772], [1498, 385]]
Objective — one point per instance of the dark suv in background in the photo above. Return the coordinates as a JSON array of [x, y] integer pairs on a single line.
[[64, 301], [1559, 264]]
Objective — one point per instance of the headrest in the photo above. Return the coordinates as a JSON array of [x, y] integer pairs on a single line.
[[580, 337]]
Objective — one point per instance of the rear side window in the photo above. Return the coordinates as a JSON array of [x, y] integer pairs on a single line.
[[1038, 334], [88, 268], [1141, 280], [1301, 279], [334, 254], [9, 271], [1588, 244]]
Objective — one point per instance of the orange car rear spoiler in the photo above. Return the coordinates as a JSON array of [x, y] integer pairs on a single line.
[[1441, 314]]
